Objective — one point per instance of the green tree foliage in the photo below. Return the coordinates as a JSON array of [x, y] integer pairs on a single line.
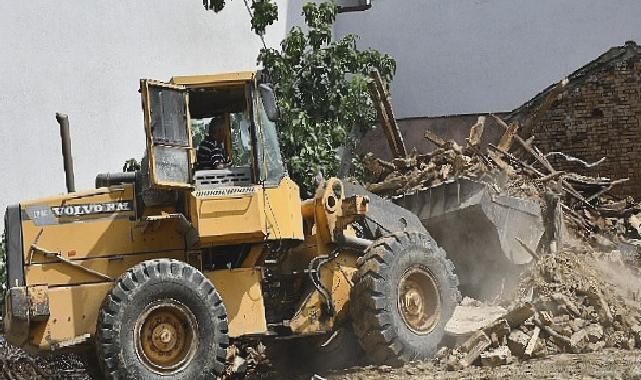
[[263, 12], [131, 165], [321, 84]]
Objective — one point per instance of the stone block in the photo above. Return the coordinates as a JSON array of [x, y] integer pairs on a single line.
[[496, 357]]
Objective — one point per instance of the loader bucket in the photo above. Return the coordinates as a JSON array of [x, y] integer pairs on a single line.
[[479, 230]]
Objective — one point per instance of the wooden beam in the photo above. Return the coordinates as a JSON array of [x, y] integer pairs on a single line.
[[506, 140], [386, 115], [543, 161], [476, 132], [436, 139]]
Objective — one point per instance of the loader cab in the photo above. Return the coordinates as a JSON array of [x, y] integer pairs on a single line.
[[177, 116], [245, 199]]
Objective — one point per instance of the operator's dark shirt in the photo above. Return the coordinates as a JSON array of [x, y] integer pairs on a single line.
[[211, 155]]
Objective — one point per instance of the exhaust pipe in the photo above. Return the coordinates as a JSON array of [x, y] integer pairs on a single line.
[[67, 160], [111, 179]]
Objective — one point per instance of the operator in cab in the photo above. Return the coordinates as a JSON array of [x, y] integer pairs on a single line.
[[211, 152]]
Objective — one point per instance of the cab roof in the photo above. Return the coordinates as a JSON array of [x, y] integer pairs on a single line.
[[214, 79]]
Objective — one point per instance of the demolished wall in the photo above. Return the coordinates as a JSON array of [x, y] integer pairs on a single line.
[[596, 115]]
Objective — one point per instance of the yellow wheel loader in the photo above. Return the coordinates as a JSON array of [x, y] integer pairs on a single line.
[[160, 269]]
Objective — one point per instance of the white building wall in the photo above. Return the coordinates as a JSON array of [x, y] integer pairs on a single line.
[[465, 56], [84, 58]]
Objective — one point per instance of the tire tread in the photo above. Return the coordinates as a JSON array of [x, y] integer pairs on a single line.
[[372, 320]]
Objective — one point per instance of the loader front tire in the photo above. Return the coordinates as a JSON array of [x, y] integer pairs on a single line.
[[162, 320], [404, 293]]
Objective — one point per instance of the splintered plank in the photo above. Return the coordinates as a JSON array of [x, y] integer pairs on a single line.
[[386, 115], [436, 139], [506, 140], [476, 133]]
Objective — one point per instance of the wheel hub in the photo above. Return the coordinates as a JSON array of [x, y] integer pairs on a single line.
[[413, 302], [419, 301], [166, 336]]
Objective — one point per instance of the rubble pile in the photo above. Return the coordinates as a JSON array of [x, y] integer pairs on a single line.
[[519, 170], [245, 359], [572, 301], [16, 364], [423, 170]]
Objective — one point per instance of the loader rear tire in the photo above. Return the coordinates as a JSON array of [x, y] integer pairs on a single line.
[[404, 293], [162, 320]]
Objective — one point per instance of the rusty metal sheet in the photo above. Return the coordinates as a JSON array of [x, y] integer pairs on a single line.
[[38, 302]]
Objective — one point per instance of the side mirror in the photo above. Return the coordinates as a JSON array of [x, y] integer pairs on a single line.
[[269, 102]]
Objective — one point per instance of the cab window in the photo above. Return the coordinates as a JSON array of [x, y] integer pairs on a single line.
[[270, 157], [220, 128]]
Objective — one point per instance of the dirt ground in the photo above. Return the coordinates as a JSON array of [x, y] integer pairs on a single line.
[[607, 364]]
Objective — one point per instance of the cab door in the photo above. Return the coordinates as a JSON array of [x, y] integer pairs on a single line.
[[168, 131]]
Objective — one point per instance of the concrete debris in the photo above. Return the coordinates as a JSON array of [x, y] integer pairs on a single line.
[[520, 314], [576, 305], [496, 357], [471, 315], [517, 341], [469, 351], [245, 359], [498, 329], [532, 343], [519, 170], [579, 294], [579, 338], [595, 332]]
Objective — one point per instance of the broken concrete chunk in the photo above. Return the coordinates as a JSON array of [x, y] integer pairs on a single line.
[[500, 327], [563, 301], [595, 332], [520, 314], [628, 344], [531, 345], [496, 357], [545, 317], [473, 347], [579, 339], [635, 222], [595, 298], [562, 329], [577, 324], [561, 319], [562, 342], [596, 346], [636, 332], [441, 354], [517, 342], [452, 362], [476, 132], [469, 301], [468, 319]]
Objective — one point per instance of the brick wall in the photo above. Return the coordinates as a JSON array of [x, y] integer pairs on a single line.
[[600, 116]]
